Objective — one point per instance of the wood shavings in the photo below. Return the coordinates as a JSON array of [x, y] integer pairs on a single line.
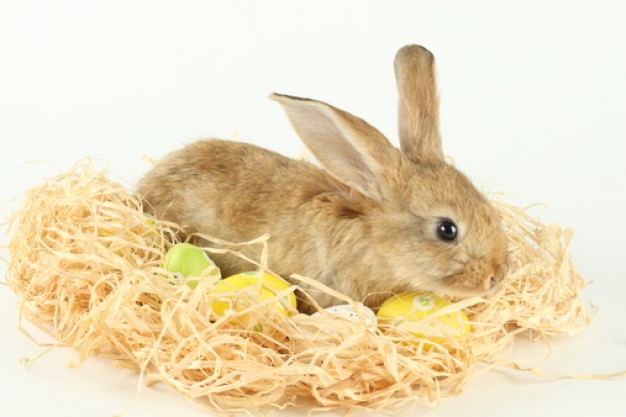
[[86, 264]]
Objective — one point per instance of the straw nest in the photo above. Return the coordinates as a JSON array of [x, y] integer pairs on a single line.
[[86, 264]]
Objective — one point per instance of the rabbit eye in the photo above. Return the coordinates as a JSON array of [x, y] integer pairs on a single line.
[[447, 230]]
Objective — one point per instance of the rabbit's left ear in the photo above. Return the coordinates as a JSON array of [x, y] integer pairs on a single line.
[[418, 116], [350, 149]]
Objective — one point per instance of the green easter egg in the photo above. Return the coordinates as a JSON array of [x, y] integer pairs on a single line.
[[187, 260]]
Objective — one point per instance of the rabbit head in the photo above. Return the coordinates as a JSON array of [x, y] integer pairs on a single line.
[[420, 217]]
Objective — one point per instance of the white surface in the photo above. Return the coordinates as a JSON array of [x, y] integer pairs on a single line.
[[533, 103]]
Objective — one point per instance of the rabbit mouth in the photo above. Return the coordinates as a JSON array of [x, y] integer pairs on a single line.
[[461, 286]]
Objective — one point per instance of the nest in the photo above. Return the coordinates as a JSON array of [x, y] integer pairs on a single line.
[[86, 265]]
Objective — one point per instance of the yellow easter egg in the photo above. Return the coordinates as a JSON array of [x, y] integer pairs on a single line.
[[270, 287], [415, 306], [139, 225], [119, 235]]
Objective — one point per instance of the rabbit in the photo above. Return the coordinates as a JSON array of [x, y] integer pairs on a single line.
[[375, 220]]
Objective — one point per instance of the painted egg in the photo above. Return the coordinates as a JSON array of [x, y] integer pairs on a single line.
[[118, 232], [271, 285], [416, 306], [346, 310], [187, 260]]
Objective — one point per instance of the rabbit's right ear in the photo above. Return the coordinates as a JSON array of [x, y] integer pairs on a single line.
[[350, 149], [418, 115]]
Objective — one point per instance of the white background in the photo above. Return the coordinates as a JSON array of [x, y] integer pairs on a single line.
[[533, 103]]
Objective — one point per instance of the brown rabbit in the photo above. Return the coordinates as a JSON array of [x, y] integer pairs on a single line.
[[376, 220]]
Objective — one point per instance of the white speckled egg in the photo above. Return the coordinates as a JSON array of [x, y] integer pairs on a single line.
[[346, 310]]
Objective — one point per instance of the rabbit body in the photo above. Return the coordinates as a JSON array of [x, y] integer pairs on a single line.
[[376, 220], [238, 191]]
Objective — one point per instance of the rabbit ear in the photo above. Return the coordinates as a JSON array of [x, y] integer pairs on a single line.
[[350, 149], [418, 116]]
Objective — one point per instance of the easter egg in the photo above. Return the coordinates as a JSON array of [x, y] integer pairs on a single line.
[[120, 234], [417, 306], [346, 310], [187, 260], [271, 285]]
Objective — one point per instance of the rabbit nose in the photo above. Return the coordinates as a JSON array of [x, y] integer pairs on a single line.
[[494, 279], [490, 283]]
